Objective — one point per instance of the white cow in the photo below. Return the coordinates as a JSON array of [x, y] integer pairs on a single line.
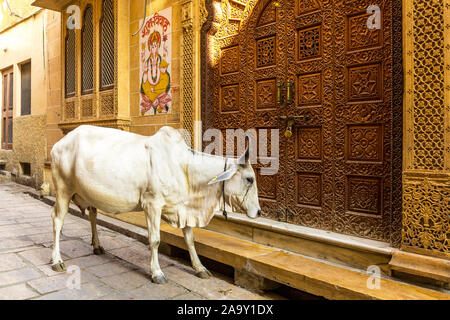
[[117, 171]]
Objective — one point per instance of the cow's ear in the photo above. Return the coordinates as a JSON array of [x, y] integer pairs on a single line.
[[243, 160], [224, 175]]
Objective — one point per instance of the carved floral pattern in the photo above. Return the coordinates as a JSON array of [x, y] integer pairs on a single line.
[[364, 195], [306, 6], [309, 143], [364, 83], [310, 89], [309, 43], [266, 94], [230, 98], [229, 61], [361, 37], [309, 189], [364, 143], [429, 85], [70, 110], [267, 185], [268, 15], [426, 216], [265, 52]]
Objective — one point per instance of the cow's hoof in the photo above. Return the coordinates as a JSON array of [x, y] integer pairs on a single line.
[[59, 267], [99, 251], [205, 274], [159, 279]]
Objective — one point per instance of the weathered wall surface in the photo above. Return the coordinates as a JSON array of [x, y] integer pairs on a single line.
[[23, 40], [13, 11], [54, 74], [29, 146]]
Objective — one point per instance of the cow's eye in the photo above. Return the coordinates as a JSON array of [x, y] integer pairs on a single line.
[[250, 180]]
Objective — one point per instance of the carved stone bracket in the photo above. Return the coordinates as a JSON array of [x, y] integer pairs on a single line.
[[186, 14], [117, 123]]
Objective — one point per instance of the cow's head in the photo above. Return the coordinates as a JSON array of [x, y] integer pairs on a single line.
[[241, 192]]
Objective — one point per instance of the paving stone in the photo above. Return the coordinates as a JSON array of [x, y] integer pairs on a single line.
[[17, 292], [213, 288], [109, 269], [6, 222], [75, 248], [116, 296], [70, 231], [38, 256], [88, 291], [59, 281], [189, 296], [41, 238], [137, 256], [88, 261], [49, 284], [14, 243], [10, 261], [16, 226], [152, 291], [111, 243], [32, 231], [7, 234], [126, 281], [17, 276]]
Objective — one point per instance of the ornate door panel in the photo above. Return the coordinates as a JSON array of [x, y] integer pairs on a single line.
[[339, 155], [363, 121], [245, 97], [334, 171], [309, 151]]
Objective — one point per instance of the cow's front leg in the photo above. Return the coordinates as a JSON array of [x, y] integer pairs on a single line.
[[201, 271], [95, 242], [58, 214], [153, 215]]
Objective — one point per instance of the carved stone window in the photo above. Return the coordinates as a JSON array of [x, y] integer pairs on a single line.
[[107, 45], [87, 56], [70, 63]]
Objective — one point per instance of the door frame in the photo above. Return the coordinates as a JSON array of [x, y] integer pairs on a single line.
[[5, 112], [207, 51]]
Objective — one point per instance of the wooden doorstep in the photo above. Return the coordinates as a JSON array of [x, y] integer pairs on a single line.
[[420, 265], [306, 274]]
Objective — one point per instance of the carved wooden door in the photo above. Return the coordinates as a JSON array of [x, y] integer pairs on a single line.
[[339, 157], [334, 171], [245, 97]]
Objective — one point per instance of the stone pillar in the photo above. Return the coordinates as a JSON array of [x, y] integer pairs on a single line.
[[426, 156], [188, 68]]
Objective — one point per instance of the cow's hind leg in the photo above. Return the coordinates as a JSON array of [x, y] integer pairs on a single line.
[[201, 271], [58, 214], [98, 250], [153, 216]]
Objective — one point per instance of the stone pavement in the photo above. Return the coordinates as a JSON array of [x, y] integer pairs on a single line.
[[26, 241]]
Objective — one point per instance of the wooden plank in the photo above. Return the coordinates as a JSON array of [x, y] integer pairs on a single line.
[[332, 281]]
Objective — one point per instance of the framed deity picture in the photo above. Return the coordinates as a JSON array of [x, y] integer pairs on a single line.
[[155, 45]]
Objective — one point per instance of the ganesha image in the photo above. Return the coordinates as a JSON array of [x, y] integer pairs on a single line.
[[155, 82]]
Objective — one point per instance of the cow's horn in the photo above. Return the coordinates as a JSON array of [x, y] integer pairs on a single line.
[[243, 160]]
